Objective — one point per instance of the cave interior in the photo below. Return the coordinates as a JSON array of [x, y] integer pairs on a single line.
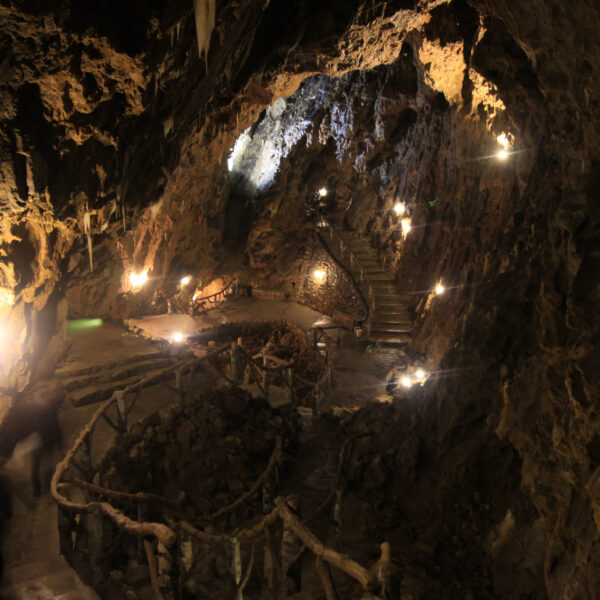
[[300, 299]]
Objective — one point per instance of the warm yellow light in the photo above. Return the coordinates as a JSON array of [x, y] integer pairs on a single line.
[[420, 373], [406, 382], [7, 297], [439, 289], [502, 139], [319, 274], [406, 226], [138, 279], [502, 155], [323, 192], [399, 208], [177, 337], [185, 280]]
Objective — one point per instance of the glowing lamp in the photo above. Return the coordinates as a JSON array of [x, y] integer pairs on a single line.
[[177, 337], [185, 280], [323, 192], [406, 382], [319, 275], [7, 298], [420, 373], [406, 226], [439, 289], [502, 139], [399, 208], [137, 280]]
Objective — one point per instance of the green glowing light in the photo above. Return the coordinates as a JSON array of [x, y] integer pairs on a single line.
[[83, 324]]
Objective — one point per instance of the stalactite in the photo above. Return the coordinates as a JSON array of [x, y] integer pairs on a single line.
[[204, 11], [88, 231]]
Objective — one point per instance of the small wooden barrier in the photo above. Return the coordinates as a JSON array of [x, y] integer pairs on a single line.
[[173, 532]]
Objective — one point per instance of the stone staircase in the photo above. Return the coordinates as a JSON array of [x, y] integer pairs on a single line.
[[389, 320]]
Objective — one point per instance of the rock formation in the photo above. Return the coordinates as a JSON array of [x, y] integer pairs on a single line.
[[114, 144]]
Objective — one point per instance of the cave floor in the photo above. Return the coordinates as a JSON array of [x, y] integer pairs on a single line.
[[33, 567], [360, 367]]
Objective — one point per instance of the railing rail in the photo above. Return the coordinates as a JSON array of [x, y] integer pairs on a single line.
[[77, 467], [198, 304], [364, 283]]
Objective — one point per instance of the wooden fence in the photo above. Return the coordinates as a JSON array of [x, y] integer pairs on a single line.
[[168, 544]]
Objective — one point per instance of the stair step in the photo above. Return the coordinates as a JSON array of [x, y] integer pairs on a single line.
[[392, 329], [381, 278], [97, 393], [386, 315], [390, 339], [388, 326]]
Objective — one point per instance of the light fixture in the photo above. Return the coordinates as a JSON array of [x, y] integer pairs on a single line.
[[439, 289], [138, 279], [177, 337], [323, 192], [185, 280], [399, 208], [319, 274], [420, 374], [406, 382], [406, 226], [502, 139], [7, 297]]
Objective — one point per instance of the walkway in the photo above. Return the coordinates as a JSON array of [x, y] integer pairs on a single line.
[[34, 569]]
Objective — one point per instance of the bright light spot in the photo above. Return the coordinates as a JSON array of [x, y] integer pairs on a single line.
[[138, 279], [420, 373], [185, 280], [323, 192], [399, 208], [406, 382], [319, 274], [406, 226], [177, 337], [502, 139], [196, 294], [7, 298], [439, 289]]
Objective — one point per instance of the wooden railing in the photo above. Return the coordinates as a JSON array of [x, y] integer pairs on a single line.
[[358, 274], [173, 530], [211, 301]]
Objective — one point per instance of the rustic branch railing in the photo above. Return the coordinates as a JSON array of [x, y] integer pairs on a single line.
[[363, 284], [199, 304], [170, 536]]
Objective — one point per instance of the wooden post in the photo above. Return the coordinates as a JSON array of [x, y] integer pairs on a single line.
[[121, 411], [142, 510], [235, 363], [179, 383], [289, 374], [167, 571], [65, 528], [266, 363], [290, 545], [317, 404], [93, 526]]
